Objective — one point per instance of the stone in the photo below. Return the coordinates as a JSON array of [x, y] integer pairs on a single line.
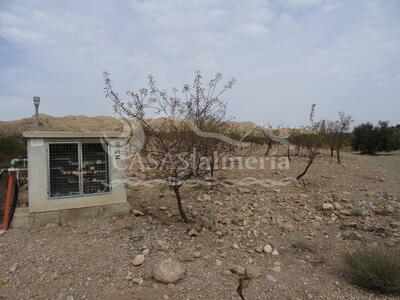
[[337, 206], [268, 249], [239, 270], [138, 260], [327, 206], [206, 197], [235, 246], [271, 279], [395, 224], [276, 269], [129, 276], [208, 222], [137, 280], [196, 254], [287, 227], [137, 213], [346, 212], [186, 257], [243, 191], [52, 225], [168, 271], [13, 268], [2, 231], [146, 251], [193, 232], [253, 272], [355, 236], [275, 252], [227, 273]]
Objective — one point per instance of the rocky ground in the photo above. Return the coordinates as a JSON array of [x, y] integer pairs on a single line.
[[288, 240]]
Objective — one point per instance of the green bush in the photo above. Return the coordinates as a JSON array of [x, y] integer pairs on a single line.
[[369, 139], [374, 269], [11, 147]]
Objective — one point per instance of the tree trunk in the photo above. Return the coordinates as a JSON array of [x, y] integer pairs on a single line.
[[179, 202], [298, 150], [338, 155], [306, 169], [212, 165], [331, 151], [288, 153], [268, 148]]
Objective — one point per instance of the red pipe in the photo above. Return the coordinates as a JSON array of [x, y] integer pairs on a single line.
[[9, 198]]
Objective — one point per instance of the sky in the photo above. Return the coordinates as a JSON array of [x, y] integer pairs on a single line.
[[285, 55]]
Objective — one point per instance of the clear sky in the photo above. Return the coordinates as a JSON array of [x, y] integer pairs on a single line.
[[285, 54]]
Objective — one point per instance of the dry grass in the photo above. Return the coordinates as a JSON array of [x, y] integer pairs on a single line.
[[374, 269]]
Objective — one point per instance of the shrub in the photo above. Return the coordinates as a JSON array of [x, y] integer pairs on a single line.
[[369, 139], [11, 147], [374, 269]]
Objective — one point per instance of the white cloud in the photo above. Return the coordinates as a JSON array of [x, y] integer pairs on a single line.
[[284, 53]]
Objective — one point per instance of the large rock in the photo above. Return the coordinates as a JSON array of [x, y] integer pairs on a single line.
[[168, 271]]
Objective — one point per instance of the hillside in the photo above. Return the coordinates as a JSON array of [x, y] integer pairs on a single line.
[[68, 123], [85, 123]]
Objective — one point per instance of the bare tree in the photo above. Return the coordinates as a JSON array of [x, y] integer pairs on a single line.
[[336, 132], [171, 139], [312, 140]]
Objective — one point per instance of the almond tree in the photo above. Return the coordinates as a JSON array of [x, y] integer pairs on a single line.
[[337, 132], [171, 137]]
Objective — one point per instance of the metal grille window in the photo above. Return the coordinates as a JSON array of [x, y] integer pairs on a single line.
[[78, 169]]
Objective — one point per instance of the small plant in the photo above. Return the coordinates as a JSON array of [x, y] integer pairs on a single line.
[[376, 269]]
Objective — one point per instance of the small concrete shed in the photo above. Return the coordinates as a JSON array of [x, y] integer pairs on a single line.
[[73, 175]]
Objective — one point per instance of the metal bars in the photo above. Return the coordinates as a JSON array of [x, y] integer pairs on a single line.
[[78, 169]]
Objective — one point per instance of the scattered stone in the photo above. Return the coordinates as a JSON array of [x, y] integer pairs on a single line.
[[354, 236], [138, 260], [395, 224], [238, 270], [168, 271], [196, 254], [275, 252], [51, 225], [70, 297], [346, 212], [187, 257], [137, 213], [206, 197], [271, 279], [13, 268], [268, 249], [243, 190], [129, 276], [259, 249], [235, 246], [253, 272], [337, 206], [138, 280], [146, 251], [287, 227], [327, 206], [276, 269], [193, 232], [227, 273]]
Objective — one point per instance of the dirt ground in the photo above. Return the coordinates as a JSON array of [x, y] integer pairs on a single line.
[[92, 259]]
